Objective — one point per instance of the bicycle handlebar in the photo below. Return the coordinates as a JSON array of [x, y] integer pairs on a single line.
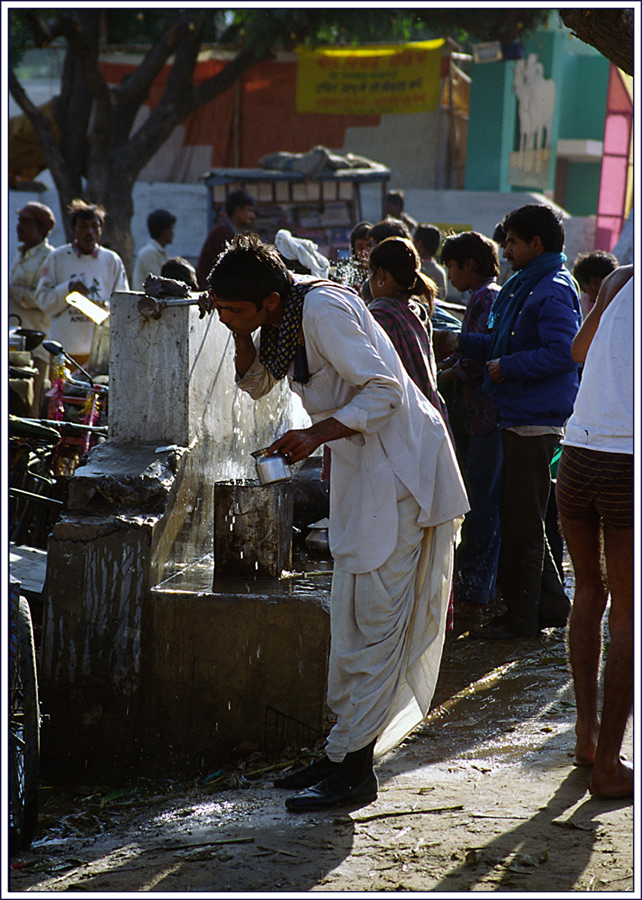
[[58, 423], [85, 386]]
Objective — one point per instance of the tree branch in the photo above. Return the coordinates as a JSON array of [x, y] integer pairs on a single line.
[[182, 37], [136, 88], [175, 107], [87, 58], [45, 134], [38, 119], [220, 82], [185, 58], [609, 30]]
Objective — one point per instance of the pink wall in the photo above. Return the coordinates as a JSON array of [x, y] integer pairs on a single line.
[[613, 201]]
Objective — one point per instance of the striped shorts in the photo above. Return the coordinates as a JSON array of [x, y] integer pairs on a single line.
[[593, 484]]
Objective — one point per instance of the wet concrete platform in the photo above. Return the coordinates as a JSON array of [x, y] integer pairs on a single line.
[[197, 670], [239, 664]]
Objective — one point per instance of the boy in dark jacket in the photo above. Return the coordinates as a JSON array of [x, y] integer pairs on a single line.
[[531, 375]]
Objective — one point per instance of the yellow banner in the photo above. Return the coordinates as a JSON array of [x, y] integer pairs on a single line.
[[377, 80]]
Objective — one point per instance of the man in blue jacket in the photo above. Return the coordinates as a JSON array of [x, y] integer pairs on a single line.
[[531, 375]]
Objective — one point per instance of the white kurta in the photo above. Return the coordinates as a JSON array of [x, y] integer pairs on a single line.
[[23, 281], [150, 259], [396, 495]]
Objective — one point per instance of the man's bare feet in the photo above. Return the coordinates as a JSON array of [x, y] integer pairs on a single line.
[[612, 783], [585, 744]]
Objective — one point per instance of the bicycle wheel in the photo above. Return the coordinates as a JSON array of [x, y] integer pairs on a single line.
[[24, 736]]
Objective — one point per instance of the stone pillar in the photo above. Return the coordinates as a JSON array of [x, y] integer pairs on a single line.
[[172, 381]]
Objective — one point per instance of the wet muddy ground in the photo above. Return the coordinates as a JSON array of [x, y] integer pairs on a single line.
[[483, 796]]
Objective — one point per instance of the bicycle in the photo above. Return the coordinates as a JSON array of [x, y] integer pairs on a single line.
[[35, 494], [36, 482], [81, 402]]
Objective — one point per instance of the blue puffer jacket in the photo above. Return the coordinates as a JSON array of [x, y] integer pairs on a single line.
[[540, 377]]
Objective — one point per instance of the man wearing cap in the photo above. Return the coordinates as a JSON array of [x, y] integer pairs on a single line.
[[35, 221], [160, 225], [240, 211], [84, 267]]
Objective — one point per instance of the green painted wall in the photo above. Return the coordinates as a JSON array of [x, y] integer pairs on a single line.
[[582, 188], [582, 109], [491, 127]]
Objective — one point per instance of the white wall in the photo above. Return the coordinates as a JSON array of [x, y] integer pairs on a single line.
[[407, 144]]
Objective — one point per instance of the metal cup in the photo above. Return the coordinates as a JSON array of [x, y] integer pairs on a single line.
[[271, 469]]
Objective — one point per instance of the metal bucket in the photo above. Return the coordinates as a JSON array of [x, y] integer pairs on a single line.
[[252, 528]]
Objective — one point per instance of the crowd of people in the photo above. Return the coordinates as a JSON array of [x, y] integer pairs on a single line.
[[441, 443], [396, 485]]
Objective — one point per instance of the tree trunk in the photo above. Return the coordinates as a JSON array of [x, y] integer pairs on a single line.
[[114, 186], [74, 105], [609, 30]]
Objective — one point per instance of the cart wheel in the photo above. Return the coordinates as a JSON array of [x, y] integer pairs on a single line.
[[24, 736]]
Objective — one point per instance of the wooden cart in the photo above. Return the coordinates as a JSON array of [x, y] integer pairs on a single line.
[[323, 209]]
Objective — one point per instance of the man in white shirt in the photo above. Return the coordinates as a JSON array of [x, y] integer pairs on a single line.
[[160, 225], [396, 498], [35, 221], [83, 266]]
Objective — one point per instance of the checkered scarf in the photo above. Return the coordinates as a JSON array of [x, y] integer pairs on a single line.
[[283, 343]]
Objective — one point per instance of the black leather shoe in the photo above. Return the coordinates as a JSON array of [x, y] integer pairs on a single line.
[[336, 790], [312, 774]]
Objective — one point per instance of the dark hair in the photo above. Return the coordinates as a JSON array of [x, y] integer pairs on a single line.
[[181, 270], [238, 199], [396, 198], [249, 270], [472, 245], [430, 236], [389, 227], [359, 232], [598, 263], [158, 221], [399, 257], [499, 233], [537, 220], [80, 209]]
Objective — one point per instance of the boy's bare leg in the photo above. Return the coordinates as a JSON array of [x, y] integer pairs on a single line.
[[585, 629], [613, 776]]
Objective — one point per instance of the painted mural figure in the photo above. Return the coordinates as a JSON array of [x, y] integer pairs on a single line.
[[536, 99]]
